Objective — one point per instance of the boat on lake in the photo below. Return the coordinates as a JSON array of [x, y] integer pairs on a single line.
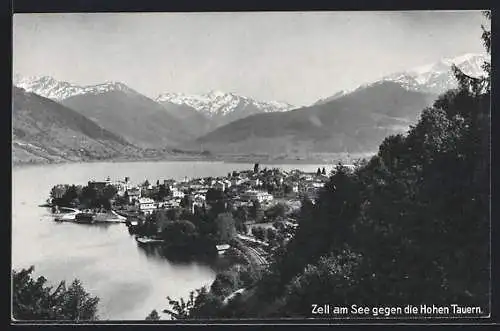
[[63, 210], [66, 217], [147, 240]]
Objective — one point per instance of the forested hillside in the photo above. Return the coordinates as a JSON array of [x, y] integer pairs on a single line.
[[45, 131], [409, 226]]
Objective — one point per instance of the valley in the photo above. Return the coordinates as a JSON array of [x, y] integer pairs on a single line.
[[227, 126]]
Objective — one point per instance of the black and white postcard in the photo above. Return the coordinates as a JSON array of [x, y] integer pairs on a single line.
[[251, 166]]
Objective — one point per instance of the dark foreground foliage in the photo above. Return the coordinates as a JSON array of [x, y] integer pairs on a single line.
[[408, 226], [33, 300]]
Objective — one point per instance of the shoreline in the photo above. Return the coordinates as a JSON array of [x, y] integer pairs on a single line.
[[242, 254], [218, 158]]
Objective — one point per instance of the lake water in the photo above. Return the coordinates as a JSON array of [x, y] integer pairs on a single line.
[[106, 259]]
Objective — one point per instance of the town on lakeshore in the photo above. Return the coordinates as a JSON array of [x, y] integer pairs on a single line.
[[254, 209]]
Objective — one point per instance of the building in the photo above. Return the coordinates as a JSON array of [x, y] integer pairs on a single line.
[[200, 192], [176, 193], [170, 204], [239, 203], [307, 176], [292, 225], [58, 191], [121, 186], [260, 196], [317, 184], [183, 187], [221, 249], [146, 205], [133, 194]]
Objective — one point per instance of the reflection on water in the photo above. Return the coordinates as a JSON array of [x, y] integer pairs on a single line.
[[102, 226], [156, 251], [152, 251], [130, 280]]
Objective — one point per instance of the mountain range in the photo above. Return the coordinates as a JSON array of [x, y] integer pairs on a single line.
[[349, 121], [220, 108], [354, 120], [355, 123], [116, 107], [199, 113]]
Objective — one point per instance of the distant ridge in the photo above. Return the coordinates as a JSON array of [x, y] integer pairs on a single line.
[[46, 131], [355, 123]]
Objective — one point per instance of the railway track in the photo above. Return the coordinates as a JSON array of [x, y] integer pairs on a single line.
[[261, 260], [256, 254]]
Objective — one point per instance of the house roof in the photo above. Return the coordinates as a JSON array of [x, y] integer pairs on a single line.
[[146, 200]]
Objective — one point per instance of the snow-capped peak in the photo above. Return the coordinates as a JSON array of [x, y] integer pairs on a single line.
[[466, 58], [107, 87], [438, 77], [217, 94], [51, 88], [218, 103], [434, 77]]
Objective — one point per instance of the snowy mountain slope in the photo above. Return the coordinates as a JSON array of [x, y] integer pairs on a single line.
[[51, 88], [220, 108], [217, 103], [434, 78], [214, 103], [115, 107], [198, 114], [438, 77]]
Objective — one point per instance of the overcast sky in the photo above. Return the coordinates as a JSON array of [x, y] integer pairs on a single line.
[[297, 57]]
